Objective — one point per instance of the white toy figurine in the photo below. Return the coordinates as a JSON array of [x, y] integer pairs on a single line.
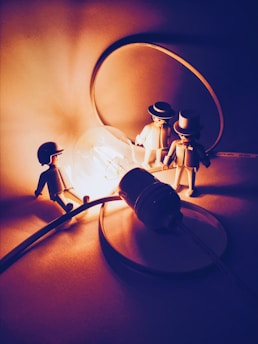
[[58, 187], [155, 136], [186, 153]]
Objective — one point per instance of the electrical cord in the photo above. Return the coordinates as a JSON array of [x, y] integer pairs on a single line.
[[235, 155], [19, 250], [22, 248]]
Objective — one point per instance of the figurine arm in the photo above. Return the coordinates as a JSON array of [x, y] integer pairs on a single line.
[[65, 180], [138, 140], [203, 156], [169, 135], [41, 184], [206, 162], [141, 138], [170, 153]]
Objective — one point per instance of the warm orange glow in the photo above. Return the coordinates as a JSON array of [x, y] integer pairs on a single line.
[[101, 157], [48, 50], [46, 70]]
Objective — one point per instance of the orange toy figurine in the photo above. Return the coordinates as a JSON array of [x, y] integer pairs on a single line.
[[155, 136], [54, 178], [186, 153]]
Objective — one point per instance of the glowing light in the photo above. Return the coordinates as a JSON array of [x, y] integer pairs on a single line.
[[101, 157]]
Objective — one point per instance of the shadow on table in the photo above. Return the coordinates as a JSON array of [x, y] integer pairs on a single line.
[[243, 191], [25, 206]]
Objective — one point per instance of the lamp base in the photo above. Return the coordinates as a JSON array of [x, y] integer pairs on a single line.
[[175, 253]]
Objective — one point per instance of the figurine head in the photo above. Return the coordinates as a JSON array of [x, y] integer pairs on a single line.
[[188, 123], [46, 151], [161, 110]]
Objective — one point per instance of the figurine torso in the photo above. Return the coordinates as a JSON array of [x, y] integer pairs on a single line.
[[155, 137], [54, 181], [187, 155]]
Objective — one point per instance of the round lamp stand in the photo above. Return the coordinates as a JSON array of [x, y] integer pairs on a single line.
[[195, 244]]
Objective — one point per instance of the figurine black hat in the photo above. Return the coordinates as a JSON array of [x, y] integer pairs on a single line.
[[46, 150], [161, 110], [188, 123]]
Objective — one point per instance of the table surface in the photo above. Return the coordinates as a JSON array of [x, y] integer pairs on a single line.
[[66, 289]]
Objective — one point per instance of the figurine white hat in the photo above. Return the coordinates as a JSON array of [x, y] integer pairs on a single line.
[[188, 123], [161, 110]]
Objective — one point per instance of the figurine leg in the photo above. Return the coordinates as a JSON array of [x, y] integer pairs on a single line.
[[147, 158], [158, 157], [191, 180], [179, 171], [76, 198], [60, 199]]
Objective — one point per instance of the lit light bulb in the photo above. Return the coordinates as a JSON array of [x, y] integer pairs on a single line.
[[102, 156]]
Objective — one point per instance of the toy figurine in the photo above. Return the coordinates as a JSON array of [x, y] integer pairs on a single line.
[[186, 153], [54, 178], [155, 136]]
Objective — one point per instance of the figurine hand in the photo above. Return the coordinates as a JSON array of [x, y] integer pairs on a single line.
[[165, 167], [67, 189], [138, 141], [37, 193], [207, 163], [165, 161]]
